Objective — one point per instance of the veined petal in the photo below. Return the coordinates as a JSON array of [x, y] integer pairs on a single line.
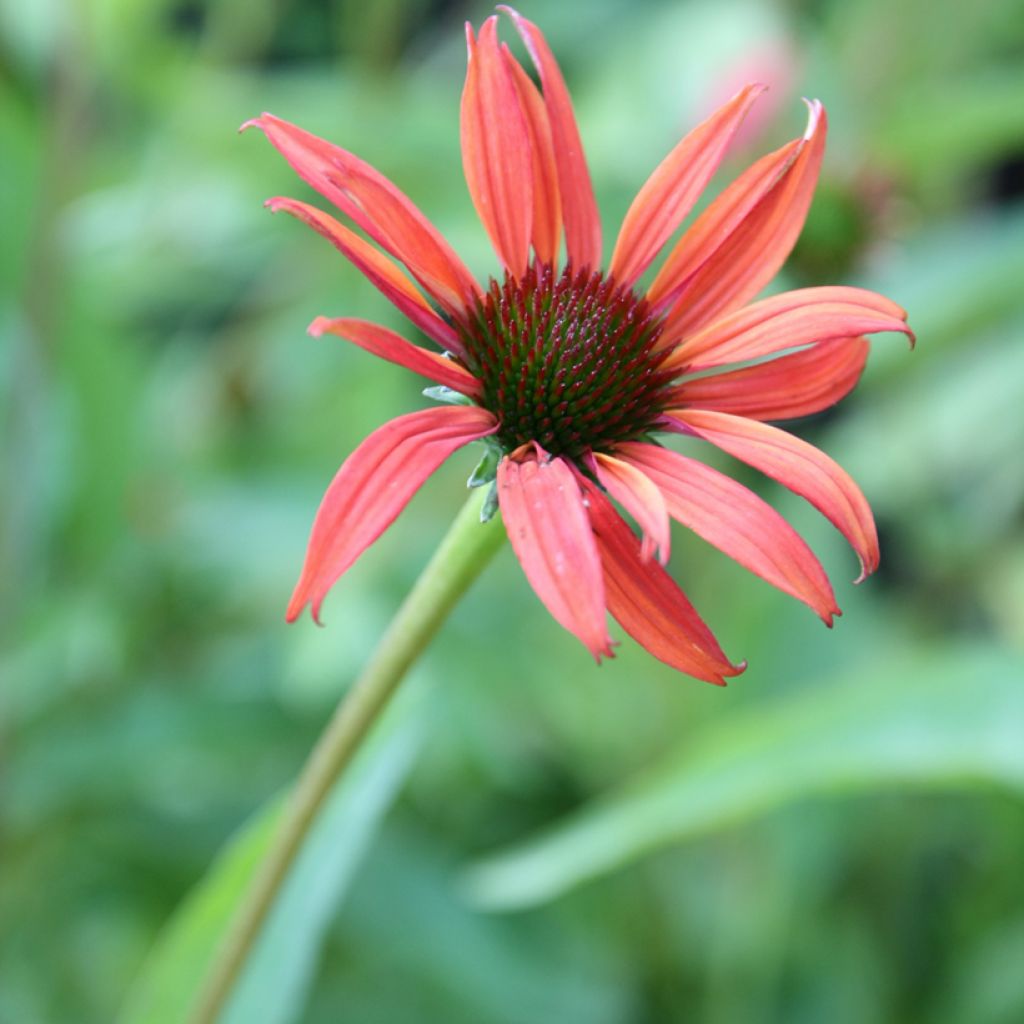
[[632, 489], [799, 384], [377, 206], [797, 465], [789, 320], [738, 522], [373, 485], [579, 208], [376, 267], [711, 229], [547, 203], [496, 149], [395, 349], [673, 188], [648, 604], [753, 253], [551, 536]]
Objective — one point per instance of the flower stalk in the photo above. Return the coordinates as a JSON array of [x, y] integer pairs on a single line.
[[465, 550]]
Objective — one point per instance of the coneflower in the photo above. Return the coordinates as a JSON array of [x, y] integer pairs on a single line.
[[566, 370]]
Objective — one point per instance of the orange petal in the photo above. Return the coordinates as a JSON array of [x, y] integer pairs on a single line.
[[738, 522], [394, 348], [711, 229], [373, 485], [799, 384], [676, 184], [633, 490], [788, 320], [797, 465], [579, 208], [377, 267], [547, 204], [753, 253], [648, 604], [385, 213], [551, 536], [496, 151]]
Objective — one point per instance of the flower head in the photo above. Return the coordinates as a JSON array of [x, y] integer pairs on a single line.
[[566, 370]]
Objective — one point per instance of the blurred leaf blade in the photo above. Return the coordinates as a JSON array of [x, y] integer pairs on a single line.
[[275, 981], [951, 719]]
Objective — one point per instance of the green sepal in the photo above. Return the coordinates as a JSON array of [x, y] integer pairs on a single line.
[[442, 394], [487, 468], [490, 505]]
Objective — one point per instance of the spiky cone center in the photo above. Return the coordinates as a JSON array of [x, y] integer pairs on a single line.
[[566, 360]]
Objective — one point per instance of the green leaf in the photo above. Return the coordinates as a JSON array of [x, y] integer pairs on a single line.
[[954, 719], [275, 982]]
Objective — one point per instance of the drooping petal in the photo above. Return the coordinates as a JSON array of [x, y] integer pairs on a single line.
[[579, 207], [797, 465], [755, 251], [648, 604], [377, 206], [547, 203], [496, 149], [799, 384], [738, 522], [676, 184], [551, 536], [394, 348], [373, 485], [789, 320], [376, 267], [632, 489]]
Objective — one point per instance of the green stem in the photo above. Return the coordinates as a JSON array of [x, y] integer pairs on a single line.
[[456, 564]]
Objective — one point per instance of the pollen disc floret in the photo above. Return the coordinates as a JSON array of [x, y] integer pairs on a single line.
[[568, 361]]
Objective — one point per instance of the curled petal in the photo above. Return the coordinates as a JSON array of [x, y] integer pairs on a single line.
[[789, 320], [646, 602], [632, 489], [377, 206], [496, 149], [738, 522], [547, 203], [799, 384], [373, 485], [797, 465], [752, 254], [551, 536], [395, 349], [579, 208], [676, 184], [377, 268]]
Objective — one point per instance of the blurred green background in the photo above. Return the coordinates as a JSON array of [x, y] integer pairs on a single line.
[[838, 836]]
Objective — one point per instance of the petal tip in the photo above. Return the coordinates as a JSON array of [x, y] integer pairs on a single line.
[[867, 569], [815, 111], [318, 327], [253, 122]]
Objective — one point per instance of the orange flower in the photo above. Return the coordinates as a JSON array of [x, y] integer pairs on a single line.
[[566, 370]]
